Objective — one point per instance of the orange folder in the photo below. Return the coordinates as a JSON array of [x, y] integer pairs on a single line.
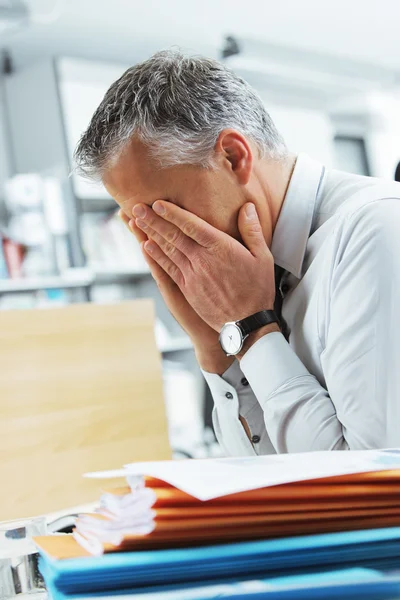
[[349, 502]]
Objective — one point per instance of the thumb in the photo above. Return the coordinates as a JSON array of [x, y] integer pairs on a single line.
[[250, 229]]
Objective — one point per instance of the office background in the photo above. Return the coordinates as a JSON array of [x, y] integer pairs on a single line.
[[329, 73]]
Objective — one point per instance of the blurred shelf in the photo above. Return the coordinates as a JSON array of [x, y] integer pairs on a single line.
[[74, 278], [106, 276], [176, 345], [93, 204], [33, 284]]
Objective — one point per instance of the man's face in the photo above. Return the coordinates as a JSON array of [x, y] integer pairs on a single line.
[[212, 194]]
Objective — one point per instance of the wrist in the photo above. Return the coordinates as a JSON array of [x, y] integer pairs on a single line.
[[213, 359], [253, 337]]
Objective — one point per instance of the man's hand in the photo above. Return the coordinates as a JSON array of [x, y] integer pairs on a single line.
[[221, 279], [205, 340]]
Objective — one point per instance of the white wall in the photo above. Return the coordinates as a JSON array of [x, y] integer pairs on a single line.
[[35, 121], [383, 136], [376, 118], [305, 130], [82, 85]]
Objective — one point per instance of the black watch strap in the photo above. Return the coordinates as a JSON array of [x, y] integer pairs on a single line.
[[256, 321]]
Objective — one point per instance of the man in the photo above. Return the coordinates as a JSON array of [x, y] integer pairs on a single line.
[[205, 182]]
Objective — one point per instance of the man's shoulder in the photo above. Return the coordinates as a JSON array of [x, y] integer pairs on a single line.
[[370, 218], [380, 199], [348, 196]]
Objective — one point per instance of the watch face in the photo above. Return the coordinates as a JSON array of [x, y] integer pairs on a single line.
[[231, 338]]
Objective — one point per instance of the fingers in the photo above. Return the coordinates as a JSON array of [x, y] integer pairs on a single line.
[[251, 231], [155, 256], [162, 268], [168, 249], [139, 234], [158, 273], [189, 224], [172, 234], [130, 224], [123, 217]]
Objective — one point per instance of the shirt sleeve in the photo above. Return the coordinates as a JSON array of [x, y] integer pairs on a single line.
[[233, 396], [360, 406], [298, 412], [361, 359]]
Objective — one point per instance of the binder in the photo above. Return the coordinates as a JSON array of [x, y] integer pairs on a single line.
[[323, 537], [376, 549], [348, 583], [155, 515]]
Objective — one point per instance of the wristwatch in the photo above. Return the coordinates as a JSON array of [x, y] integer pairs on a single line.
[[234, 333]]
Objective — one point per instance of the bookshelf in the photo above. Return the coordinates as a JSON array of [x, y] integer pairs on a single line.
[[105, 275], [74, 278], [33, 284], [49, 106]]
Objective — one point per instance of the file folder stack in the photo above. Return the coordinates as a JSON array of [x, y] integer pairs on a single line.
[[317, 525]]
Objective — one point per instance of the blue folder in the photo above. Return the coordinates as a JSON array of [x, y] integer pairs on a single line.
[[356, 583], [374, 549]]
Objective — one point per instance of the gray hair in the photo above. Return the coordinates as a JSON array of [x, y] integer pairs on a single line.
[[177, 105]]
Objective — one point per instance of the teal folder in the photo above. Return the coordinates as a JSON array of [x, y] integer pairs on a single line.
[[374, 549], [355, 583]]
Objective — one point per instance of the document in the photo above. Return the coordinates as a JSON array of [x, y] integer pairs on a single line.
[[207, 479]]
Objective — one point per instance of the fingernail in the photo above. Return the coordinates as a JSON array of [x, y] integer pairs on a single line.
[[139, 211], [251, 211], [149, 248], [141, 224], [159, 208]]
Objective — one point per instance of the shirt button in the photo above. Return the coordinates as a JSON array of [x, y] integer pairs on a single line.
[[229, 395], [244, 381], [255, 439]]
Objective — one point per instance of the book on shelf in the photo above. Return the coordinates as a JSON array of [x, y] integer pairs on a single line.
[[13, 253]]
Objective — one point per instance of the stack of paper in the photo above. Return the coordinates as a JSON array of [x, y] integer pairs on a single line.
[[174, 524]]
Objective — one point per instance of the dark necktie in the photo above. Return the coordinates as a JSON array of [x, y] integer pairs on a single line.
[[279, 300]]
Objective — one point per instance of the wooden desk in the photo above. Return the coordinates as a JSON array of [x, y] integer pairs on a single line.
[[80, 390]]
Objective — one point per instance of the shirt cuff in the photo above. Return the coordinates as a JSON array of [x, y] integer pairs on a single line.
[[272, 353], [223, 392], [233, 375], [230, 431], [231, 383]]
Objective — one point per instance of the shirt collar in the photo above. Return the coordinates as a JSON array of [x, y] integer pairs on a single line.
[[293, 227]]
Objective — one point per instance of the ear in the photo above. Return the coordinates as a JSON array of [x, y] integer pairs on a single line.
[[236, 154]]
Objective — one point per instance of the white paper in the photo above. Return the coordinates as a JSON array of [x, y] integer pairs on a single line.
[[212, 478]]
